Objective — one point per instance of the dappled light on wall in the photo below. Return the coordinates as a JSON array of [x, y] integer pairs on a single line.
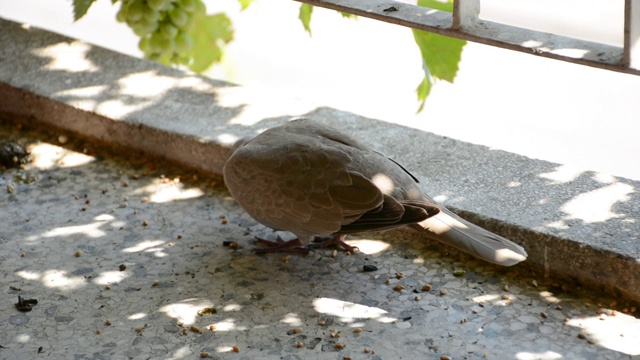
[[369, 246], [597, 205], [547, 355], [349, 312], [54, 279], [68, 56], [91, 230], [186, 311], [161, 192], [47, 156], [148, 246], [619, 332]]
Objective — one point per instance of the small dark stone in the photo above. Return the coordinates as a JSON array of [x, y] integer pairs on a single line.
[[12, 154], [369, 268], [24, 305], [122, 267]]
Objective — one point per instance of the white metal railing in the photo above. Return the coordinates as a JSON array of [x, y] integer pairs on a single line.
[[465, 24]]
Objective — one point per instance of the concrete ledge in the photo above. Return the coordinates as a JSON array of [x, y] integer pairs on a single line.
[[576, 225]]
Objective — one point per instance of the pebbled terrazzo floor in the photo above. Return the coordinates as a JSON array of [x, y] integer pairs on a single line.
[[130, 258]]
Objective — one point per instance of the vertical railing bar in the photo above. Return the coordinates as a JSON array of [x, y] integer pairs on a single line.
[[465, 14], [626, 43], [632, 42]]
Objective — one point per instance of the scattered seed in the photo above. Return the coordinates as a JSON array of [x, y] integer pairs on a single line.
[[107, 287], [592, 341], [183, 332], [398, 288], [108, 322], [10, 189], [334, 334], [98, 332], [459, 273], [235, 348], [155, 283], [78, 253], [426, 287], [544, 315], [180, 323], [179, 236], [445, 357], [558, 307], [417, 298], [207, 310], [233, 245], [295, 330], [125, 184], [145, 223], [24, 254], [357, 330], [88, 201], [369, 268], [367, 350], [299, 344], [204, 354], [346, 358], [195, 329], [534, 283], [339, 346], [170, 244], [443, 292], [224, 222], [122, 267], [139, 329], [388, 281], [582, 335], [399, 275], [212, 327], [506, 288], [321, 322], [464, 321]]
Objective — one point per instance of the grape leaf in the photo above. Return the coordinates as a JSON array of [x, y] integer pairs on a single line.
[[440, 54], [244, 4], [347, 15], [442, 5], [210, 33], [305, 16], [80, 8]]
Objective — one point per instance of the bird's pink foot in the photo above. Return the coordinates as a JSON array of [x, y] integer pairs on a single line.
[[337, 241], [294, 245]]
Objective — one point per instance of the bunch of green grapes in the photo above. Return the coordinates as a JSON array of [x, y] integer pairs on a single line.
[[163, 26]]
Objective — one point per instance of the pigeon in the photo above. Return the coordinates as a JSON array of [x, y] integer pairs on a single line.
[[312, 180]]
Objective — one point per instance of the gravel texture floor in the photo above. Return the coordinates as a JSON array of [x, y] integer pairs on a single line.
[[130, 258]]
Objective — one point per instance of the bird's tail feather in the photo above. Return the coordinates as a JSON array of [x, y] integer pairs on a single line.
[[454, 231]]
